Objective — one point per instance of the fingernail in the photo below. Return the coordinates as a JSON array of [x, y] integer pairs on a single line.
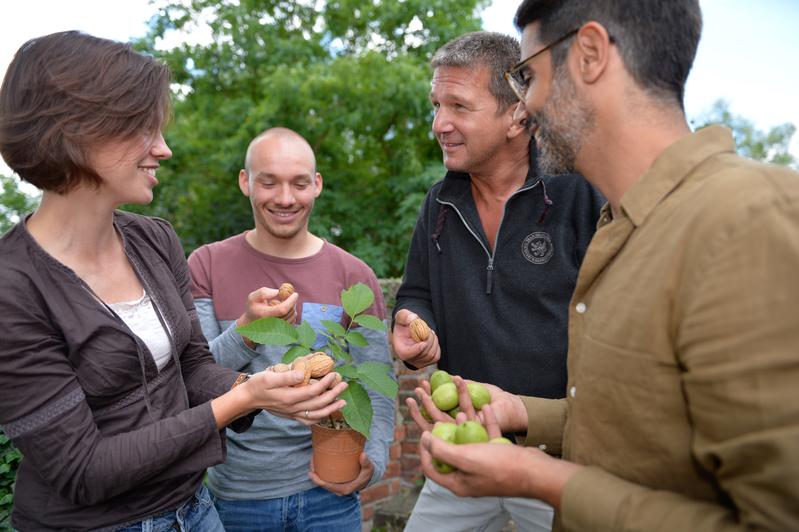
[[298, 375]]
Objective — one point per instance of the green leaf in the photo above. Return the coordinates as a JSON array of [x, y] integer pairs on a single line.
[[294, 352], [370, 322], [358, 410], [356, 299], [356, 338], [376, 376], [307, 335], [347, 371], [339, 353], [270, 331], [334, 327]]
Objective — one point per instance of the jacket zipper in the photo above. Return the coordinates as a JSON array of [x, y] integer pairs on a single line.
[[490, 267]]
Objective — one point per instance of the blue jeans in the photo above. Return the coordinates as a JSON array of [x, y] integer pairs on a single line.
[[313, 510], [195, 515]]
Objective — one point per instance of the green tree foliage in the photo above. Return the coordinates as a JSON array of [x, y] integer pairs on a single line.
[[350, 76], [13, 205], [770, 146], [13, 202], [9, 460]]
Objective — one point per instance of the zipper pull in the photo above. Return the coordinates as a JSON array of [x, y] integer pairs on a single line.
[[489, 280]]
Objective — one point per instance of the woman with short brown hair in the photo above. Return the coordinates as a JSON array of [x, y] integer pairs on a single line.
[[107, 386]]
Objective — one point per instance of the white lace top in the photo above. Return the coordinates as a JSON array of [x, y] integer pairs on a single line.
[[140, 316]]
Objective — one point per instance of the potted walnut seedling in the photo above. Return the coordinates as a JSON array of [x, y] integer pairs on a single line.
[[344, 437]]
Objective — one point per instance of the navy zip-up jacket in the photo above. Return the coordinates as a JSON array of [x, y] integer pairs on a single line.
[[501, 317]]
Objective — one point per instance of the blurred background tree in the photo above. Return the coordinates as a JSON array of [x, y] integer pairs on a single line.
[[771, 146], [14, 203], [351, 76]]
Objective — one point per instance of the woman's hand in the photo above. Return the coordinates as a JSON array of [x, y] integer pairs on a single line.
[[275, 392], [306, 404]]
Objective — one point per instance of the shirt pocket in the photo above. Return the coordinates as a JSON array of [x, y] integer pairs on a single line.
[[314, 313]]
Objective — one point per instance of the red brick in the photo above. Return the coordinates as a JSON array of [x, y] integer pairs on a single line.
[[410, 447], [367, 512], [408, 384], [395, 451], [410, 463], [403, 406], [412, 477], [402, 369], [393, 470], [394, 486], [377, 492], [399, 432], [412, 431]]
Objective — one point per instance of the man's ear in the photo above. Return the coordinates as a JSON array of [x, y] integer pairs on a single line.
[[244, 182], [518, 120], [318, 183], [592, 51]]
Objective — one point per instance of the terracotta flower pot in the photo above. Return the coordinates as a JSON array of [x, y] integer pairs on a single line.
[[336, 453]]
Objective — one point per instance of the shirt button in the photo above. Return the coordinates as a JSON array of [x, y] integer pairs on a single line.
[[573, 391], [580, 308], [543, 446]]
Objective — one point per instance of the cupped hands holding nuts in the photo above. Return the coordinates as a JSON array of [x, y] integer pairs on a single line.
[[314, 366], [288, 394], [413, 341]]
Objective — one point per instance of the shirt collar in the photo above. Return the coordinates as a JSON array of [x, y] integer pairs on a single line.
[[671, 168]]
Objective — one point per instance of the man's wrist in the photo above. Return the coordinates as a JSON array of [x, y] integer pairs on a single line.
[[519, 421], [550, 484], [241, 322]]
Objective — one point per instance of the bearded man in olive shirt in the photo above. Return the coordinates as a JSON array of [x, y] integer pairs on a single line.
[[681, 410]]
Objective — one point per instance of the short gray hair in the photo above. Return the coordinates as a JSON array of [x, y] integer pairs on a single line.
[[496, 51]]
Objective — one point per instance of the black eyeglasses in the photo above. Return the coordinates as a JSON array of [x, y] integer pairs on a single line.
[[514, 76]]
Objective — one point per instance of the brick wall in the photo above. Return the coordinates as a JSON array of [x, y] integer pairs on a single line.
[[403, 468]]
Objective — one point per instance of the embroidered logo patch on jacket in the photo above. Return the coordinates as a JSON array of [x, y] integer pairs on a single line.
[[537, 248]]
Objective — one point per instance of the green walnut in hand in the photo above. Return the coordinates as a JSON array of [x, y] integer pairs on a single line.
[[445, 431], [479, 394], [445, 397], [438, 378], [471, 432]]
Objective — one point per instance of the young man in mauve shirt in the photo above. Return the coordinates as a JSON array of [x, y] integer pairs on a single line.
[[265, 483]]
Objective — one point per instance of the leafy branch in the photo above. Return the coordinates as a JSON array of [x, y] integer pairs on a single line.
[[375, 376]]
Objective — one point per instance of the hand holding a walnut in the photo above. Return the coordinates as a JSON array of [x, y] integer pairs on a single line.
[[413, 341], [280, 303]]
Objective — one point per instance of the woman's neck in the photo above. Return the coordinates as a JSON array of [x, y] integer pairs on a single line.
[[76, 225]]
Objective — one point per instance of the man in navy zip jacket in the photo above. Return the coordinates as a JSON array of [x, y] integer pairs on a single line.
[[493, 261]]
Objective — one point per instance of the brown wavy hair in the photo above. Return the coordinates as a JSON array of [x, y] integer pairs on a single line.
[[66, 92]]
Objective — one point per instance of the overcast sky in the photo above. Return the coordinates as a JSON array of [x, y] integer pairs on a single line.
[[748, 53]]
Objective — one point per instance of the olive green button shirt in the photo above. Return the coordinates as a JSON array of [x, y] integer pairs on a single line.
[[683, 392]]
